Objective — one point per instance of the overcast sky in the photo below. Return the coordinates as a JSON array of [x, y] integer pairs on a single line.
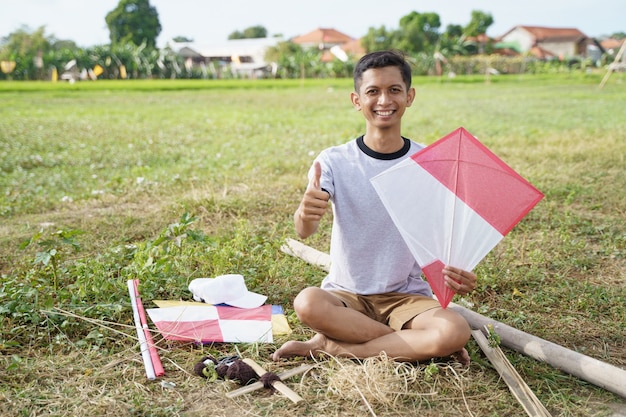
[[82, 21]]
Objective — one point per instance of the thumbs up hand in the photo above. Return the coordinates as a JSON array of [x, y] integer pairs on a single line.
[[315, 200], [314, 182], [313, 205]]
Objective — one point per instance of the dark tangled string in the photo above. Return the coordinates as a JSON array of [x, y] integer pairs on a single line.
[[268, 379], [235, 370]]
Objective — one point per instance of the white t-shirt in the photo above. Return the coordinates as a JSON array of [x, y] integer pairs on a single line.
[[367, 252]]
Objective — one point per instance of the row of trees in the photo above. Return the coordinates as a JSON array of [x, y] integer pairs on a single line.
[[36, 56], [420, 33], [134, 27]]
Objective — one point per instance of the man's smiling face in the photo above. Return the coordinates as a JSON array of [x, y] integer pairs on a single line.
[[383, 96]]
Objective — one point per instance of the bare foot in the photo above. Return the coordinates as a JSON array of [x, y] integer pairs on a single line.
[[311, 348], [462, 357]]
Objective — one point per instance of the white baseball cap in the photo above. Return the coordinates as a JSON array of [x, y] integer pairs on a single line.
[[225, 289]]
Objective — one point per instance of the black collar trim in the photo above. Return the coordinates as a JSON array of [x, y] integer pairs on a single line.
[[384, 156]]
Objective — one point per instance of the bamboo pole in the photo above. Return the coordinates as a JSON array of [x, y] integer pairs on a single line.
[[599, 373]]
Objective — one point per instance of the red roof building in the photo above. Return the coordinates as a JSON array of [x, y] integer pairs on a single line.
[[545, 42], [328, 41], [322, 38]]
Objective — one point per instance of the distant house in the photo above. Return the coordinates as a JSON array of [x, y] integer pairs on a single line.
[[616, 50], [242, 57], [322, 38], [546, 43], [354, 48], [246, 57], [612, 45], [331, 42]]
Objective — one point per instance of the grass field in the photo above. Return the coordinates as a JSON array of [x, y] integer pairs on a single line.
[[167, 181]]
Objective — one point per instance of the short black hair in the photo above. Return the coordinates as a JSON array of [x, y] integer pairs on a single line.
[[381, 59]]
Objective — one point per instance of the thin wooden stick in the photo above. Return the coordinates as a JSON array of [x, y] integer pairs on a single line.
[[518, 387], [278, 385], [258, 385]]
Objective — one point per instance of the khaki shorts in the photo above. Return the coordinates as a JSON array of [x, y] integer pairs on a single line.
[[395, 309]]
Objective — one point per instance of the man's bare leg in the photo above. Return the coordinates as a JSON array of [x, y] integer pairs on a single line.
[[346, 332], [458, 328], [320, 344]]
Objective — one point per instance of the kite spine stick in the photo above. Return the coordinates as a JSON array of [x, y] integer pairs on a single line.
[[456, 186]]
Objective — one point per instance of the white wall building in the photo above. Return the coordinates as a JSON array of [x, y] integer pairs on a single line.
[[242, 57]]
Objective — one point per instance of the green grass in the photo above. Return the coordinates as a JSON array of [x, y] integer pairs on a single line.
[[167, 181]]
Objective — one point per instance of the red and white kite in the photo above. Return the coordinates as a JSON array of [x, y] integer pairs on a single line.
[[452, 202], [208, 323]]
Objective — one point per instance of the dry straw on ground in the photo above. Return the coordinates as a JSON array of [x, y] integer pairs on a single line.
[[380, 383]]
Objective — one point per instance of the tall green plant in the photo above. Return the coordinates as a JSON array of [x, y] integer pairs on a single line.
[[54, 247]]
